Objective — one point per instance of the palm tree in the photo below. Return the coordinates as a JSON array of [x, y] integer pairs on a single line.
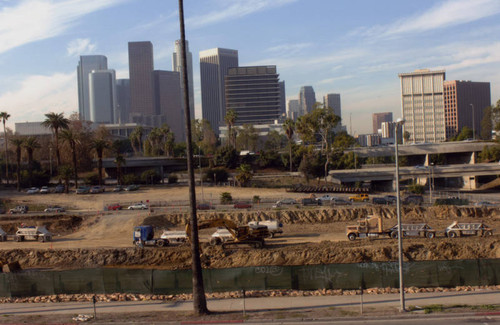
[[71, 137], [119, 162], [99, 145], [30, 144], [230, 119], [168, 140], [289, 127], [136, 139], [65, 172], [56, 122], [18, 143], [5, 116]]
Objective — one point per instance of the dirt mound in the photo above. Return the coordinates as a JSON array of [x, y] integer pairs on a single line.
[[325, 252], [60, 224]]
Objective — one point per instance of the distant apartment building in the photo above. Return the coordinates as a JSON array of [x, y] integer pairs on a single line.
[[293, 109], [254, 94], [369, 140], [214, 65], [102, 96], [333, 101], [168, 101], [122, 100], [379, 118], [422, 103], [31, 128], [464, 103], [141, 66], [86, 65], [177, 66], [307, 99]]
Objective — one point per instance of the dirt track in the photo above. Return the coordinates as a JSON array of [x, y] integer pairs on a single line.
[[311, 236]]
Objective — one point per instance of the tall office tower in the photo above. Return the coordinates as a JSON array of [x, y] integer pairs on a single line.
[[293, 110], [214, 64], [282, 99], [102, 96], [307, 99], [464, 103], [254, 94], [140, 61], [378, 118], [87, 64], [333, 101], [122, 100], [168, 101], [422, 104], [177, 66]]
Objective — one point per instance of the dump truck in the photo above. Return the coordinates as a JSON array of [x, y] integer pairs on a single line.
[[273, 226], [39, 233], [468, 229], [144, 236], [238, 235]]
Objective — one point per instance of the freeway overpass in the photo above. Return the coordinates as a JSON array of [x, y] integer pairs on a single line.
[[466, 171]]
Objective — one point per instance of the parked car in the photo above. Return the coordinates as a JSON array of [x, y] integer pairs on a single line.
[[484, 204], [33, 190], [203, 206], [83, 190], [379, 200], [359, 198], [310, 201], [391, 199], [138, 206], [97, 189], [44, 190], [19, 209], [242, 205], [59, 188], [414, 199], [54, 208], [132, 187], [118, 188], [114, 207], [338, 201]]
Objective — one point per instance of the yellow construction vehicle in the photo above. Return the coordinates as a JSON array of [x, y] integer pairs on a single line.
[[239, 235]]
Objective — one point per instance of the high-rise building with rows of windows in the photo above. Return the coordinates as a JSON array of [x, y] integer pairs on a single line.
[[141, 66], [422, 105], [86, 65]]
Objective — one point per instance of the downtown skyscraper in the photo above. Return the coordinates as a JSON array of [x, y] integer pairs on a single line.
[[177, 66], [214, 65], [307, 99], [141, 66], [86, 65]]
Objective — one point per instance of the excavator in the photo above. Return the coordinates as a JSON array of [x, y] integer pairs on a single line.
[[240, 235]]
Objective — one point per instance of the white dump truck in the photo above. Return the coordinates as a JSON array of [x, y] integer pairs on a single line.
[[174, 236], [468, 229], [39, 233], [274, 227]]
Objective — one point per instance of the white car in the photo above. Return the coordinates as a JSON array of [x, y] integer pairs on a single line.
[[325, 197], [33, 190], [44, 190], [138, 206]]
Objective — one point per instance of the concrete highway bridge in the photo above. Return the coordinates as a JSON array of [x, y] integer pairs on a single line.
[[137, 165]]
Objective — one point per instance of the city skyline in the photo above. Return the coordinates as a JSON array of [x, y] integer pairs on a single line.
[[357, 55]]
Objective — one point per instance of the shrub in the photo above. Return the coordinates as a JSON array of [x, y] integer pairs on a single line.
[[130, 179], [92, 179], [221, 175], [226, 198], [256, 199], [150, 176], [416, 188]]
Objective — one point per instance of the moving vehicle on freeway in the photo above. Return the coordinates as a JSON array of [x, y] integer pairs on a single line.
[[138, 206], [359, 198], [19, 209], [54, 208], [114, 207], [33, 190], [286, 201], [242, 205]]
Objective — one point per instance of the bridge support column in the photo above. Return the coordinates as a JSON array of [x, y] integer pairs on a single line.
[[162, 175], [470, 181], [427, 162]]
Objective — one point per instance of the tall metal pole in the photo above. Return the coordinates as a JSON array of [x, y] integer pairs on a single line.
[[400, 233], [199, 299]]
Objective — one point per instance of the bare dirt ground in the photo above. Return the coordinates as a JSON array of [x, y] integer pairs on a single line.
[[93, 238]]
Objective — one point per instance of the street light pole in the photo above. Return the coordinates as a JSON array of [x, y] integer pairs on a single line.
[[473, 123], [399, 123]]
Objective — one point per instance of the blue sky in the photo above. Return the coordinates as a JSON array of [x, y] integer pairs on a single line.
[[352, 47]]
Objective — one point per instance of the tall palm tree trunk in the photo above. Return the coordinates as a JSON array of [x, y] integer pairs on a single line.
[[6, 154], [199, 299], [18, 161], [73, 149]]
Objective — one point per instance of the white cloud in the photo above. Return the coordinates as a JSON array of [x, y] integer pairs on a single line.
[[80, 46], [233, 9], [34, 20], [444, 14], [287, 49], [40, 94]]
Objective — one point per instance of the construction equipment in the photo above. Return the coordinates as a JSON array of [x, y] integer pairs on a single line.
[[239, 235], [468, 229], [144, 236], [370, 226], [174, 236], [39, 233], [413, 230], [274, 227]]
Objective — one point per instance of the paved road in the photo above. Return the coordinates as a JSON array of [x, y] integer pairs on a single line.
[[258, 304]]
